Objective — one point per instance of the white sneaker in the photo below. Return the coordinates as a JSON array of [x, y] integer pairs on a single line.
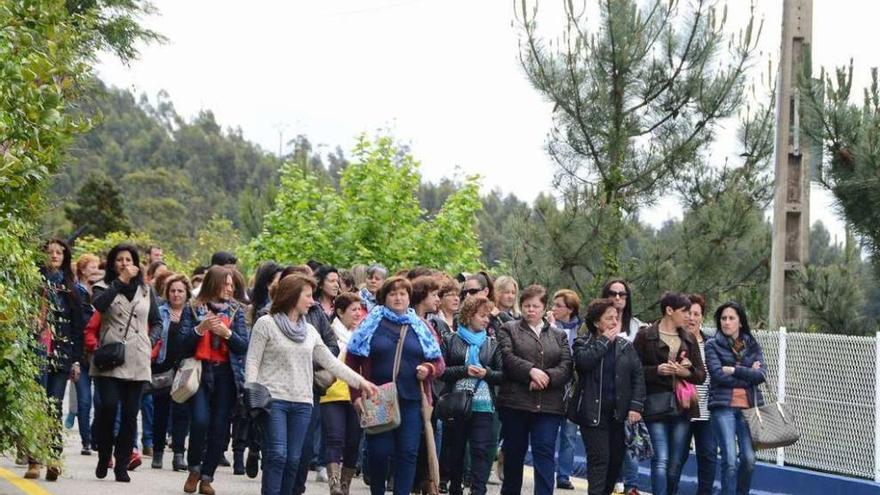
[[618, 487], [322, 475]]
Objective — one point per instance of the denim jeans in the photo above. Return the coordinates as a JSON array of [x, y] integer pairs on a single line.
[[731, 430], [342, 432], [210, 410], [397, 449], [308, 448], [630, 472], [147, 413], [55, 384], [568, 436], [286, 431], [670, 439], [522, 429], [84, 406], [476, 432], [118, 399], [706, 452], [163, 419]]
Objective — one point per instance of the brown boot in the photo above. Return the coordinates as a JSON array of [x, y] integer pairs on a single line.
[[192, 482], [33, 471], [52, 473], [345, 479], [205, 488], [334, 478]]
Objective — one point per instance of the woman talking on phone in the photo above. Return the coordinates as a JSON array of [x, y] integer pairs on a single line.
[[213, 331], [130, 315]]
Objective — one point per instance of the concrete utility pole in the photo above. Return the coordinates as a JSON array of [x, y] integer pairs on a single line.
[[794, 158]]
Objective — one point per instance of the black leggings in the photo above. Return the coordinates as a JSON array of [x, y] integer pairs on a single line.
[[116, 394]]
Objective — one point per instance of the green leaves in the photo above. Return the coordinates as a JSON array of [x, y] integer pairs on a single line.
[[373, 216]]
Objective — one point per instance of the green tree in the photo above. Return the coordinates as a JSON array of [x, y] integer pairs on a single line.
[[45, 50], [98, 209], [636, 97], [373, 216]]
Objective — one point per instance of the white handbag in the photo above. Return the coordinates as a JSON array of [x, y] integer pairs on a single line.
[[187, 380]]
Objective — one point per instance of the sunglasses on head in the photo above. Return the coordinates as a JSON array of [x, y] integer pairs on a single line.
[[612, 294]]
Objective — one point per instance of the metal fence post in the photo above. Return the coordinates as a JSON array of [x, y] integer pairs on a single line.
[[877, 407], [780, 384]]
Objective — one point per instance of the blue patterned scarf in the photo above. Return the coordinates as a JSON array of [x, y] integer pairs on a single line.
[[474, 340], [359, 345], [368, 299]]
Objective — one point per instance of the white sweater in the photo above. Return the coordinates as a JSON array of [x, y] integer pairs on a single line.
[[285, 367]]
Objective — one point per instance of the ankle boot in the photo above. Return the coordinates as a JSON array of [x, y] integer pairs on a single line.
[[177, 463], [156, 463], [205, 488], [345, 479], [33, 471], [192, 482], [334, 478], [238, 462]]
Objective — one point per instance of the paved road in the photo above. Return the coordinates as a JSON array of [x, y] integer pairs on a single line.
[[78, 478]]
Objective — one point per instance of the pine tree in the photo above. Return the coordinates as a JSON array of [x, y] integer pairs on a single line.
[[98, 209]]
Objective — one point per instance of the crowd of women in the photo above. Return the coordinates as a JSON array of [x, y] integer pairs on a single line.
[[506, 372]]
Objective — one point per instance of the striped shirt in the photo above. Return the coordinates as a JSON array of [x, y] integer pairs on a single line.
[[703, 390]]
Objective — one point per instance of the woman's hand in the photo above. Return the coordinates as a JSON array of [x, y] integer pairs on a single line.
[[756, 365], [476, 371], [359, 405], [666, 369], [421, 372], [634, 417], [540, 378], [680, 371], [74, 372], [550, 318], [728, 370], [369, 389], [130, 272], [686, 363], [533, 385]]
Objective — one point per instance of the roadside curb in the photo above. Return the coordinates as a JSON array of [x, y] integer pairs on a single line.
[[26, 486]]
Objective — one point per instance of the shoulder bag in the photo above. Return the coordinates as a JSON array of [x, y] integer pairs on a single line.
[[112, 355], [186, 380], [456, 405], [382, 412], [771, 425]]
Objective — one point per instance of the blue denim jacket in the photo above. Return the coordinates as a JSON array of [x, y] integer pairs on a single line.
[[238, 342], [718, 355]]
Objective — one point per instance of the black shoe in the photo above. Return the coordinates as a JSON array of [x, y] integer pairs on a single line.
[[564, 485], [252, 464], [238, 463], [86, 451], [444, 487], [101, 470], [122, 475], [178, 464], [223, 461]]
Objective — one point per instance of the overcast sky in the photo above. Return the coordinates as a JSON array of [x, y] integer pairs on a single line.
[[442, 75]]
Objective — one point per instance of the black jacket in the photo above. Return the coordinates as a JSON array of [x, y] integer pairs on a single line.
[[455, 354], [521, 350], [589, 356]]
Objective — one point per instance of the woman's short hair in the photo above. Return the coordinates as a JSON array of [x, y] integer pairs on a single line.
[[471, 307], [160, 280], [699, 300], [83, 261], [377, 269], [321, 275], [571, 300], [421, 287], [285, 295], [533, 291], [674, 300], [449, 284], [173, 279], [153, 266], [344, 300], [392, 284], [595, 310]]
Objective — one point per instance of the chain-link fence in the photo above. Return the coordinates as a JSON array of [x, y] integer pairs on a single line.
[[829, 383]]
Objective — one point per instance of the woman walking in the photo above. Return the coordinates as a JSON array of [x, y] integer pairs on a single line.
[[611, 391], [213, 332], [371, 352], [736, 364], [537, 368], [340, 422], [472, 363], [129, 315], [670, 359], [283, 350]]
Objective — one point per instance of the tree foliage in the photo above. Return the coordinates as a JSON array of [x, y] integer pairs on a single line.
[[374, 215], [98, 209]]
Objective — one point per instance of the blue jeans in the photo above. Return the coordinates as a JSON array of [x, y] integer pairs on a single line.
[[670, 439], [568, 437], [55, 384], [522, 429], [147, 420], [731, 430], [210, 413], [706, 452], [399, 449], [630, 471], [308, 448], [84, 407], [286, 432]]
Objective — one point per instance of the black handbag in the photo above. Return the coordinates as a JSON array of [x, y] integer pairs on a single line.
[[257, 398], [110, 356], [160, 382], [456, 405], [660, 405]]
